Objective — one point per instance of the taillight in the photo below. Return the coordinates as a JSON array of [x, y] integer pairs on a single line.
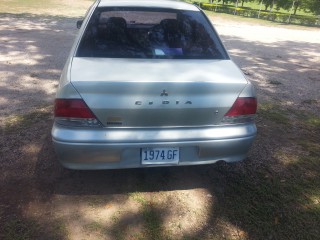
[[243, 106], [242, 110], [74, 112], [72, 108]]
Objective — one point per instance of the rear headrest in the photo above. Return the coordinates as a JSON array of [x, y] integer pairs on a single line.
[[171, 25], [117, 22]]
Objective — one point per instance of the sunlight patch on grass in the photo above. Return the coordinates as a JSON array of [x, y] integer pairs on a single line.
[[138, 197], [286, 156], [17, 123], [313, 121], [315, 199], [231, 231]]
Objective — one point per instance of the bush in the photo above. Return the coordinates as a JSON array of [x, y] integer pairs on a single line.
[[254, 13]]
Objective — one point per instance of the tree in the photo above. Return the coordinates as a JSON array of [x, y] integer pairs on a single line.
[[245, 1], [305, 5], [267, 4], [288, 4], [313, 6]]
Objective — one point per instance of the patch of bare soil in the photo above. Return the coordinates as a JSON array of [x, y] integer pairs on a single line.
[[41, 200]]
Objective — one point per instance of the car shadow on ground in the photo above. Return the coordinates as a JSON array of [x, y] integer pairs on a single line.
[[116, 181]]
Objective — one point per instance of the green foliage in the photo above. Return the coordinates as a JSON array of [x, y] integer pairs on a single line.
[[312, 6], [266, 15], [308, 6]]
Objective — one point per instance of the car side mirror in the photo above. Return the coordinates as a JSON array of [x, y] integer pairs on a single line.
[[79, 23]]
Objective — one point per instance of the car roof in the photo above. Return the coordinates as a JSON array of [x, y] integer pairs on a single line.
[[171, 4]]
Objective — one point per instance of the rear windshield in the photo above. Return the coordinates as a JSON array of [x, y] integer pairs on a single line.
[[150, 33]]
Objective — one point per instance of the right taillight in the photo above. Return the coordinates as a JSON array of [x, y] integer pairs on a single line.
[[243, 110], [74, 112], [243, 106]]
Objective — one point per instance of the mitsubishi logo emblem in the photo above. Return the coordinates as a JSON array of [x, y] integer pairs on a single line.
[[164, 93]]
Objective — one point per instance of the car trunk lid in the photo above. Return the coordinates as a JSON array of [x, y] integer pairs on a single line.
[[157, 93]]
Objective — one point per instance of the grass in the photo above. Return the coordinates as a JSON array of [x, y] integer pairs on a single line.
[[94, 227], [281, 204], [310, 101], [309, 121], [273, 113], [313, 121], [277, 206], [151, 217], [256, 6], [311, 147], [149, 213], [29, 229], [17, 229], [20, 122], [256, 21], [280, 200], [138, 197], [274, 82], [59, 229], [153, 223], [300, 20]]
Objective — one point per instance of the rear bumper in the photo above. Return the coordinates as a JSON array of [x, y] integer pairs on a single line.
[[85, 149]]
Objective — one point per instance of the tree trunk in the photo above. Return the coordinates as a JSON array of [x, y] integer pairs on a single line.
[[242, 2], [271, 7], [295, 9]]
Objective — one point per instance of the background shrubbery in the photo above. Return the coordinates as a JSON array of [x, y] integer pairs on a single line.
[[267, 15]]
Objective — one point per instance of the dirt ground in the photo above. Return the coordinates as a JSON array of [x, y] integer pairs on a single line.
[[41, 200]]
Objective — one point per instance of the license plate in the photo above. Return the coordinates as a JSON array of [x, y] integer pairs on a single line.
[[168, 155]]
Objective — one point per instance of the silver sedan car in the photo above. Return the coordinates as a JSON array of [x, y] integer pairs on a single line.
[[149, 83]]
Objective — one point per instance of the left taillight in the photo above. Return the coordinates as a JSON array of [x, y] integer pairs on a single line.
[[74, 112]]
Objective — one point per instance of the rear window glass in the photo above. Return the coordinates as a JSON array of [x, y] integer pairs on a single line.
[[149, 33]]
